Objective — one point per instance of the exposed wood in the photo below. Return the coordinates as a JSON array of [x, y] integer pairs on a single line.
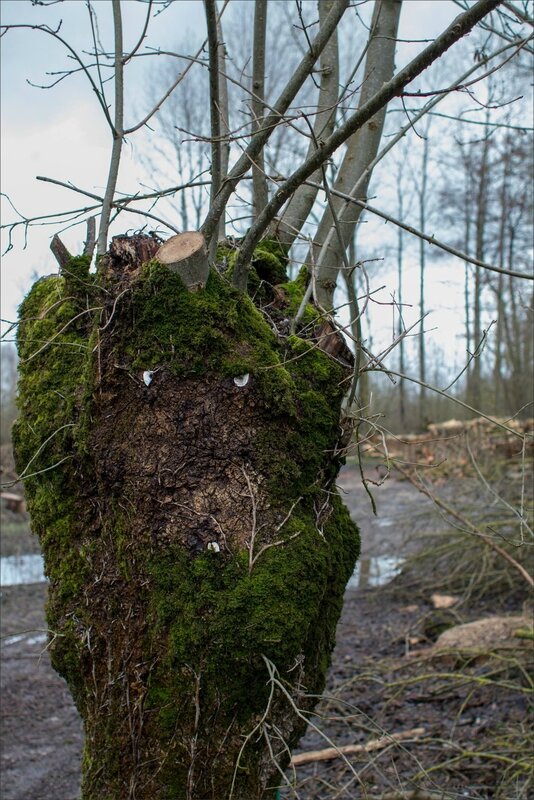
[[128, 253], [60, 251], [331, 341], [330, 753], [187, 255]]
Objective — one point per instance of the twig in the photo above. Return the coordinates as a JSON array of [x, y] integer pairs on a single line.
[[329, 753], [431, 239], [491, 490], [458, 28]]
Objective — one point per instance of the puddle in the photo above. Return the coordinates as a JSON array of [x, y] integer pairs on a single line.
[[36, 638], [384, 522], [374, 571], [17, 570]]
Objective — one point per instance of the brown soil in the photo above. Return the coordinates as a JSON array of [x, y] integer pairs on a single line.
[[377, 683]]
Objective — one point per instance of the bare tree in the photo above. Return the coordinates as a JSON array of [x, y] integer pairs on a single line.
[[180, 438]]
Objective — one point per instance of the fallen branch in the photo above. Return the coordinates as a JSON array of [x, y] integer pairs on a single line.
[[350, 749]]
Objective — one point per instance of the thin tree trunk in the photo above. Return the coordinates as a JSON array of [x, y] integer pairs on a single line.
[[260, 192], [300, 205], [225, 115], [475, 374], [362, 148], [468, 203], [499, 339], [118, 132], [400, 324], [210, 7], [422, 265]]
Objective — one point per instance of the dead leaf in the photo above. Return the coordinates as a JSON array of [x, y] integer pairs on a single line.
[[443, 600]]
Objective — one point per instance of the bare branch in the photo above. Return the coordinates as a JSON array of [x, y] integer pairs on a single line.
[[74, 54], [191, 60], [458, 28], [142, 36], [518, 13], [329, 753], [280, 107], [431, 239]]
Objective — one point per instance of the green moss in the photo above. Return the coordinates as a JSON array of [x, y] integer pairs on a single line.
[[224, 617], [194, 333], [270, 261], [294, 292], [210, 614], [268, 266]]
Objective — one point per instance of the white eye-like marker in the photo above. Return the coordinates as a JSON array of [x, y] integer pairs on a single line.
[[214, 546], [241, 380], [147, 377]]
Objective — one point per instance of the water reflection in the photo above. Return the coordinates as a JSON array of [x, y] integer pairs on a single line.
[[28, 638], [374, 571], [370, 571], [17, 570]]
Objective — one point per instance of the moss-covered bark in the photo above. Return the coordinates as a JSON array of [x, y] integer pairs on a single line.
[[190, 528]]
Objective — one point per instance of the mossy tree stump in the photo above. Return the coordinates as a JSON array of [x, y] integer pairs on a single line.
[[190, 527]]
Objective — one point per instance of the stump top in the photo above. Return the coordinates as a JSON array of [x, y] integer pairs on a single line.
[[180, 247]]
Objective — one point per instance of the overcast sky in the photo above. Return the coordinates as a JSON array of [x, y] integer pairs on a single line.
[[61, 132]]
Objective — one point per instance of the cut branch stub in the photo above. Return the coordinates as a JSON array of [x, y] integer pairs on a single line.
[[187, 255], [90, 242], [60, 251]]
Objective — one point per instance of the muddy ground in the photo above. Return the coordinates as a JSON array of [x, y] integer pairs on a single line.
[[466, 739]]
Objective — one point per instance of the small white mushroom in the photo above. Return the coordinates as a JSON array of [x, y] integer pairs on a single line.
[[147, 377], [214, 546], [241, 380]]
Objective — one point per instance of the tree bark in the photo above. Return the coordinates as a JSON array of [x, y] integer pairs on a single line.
[[260, 192], [183, 461]]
